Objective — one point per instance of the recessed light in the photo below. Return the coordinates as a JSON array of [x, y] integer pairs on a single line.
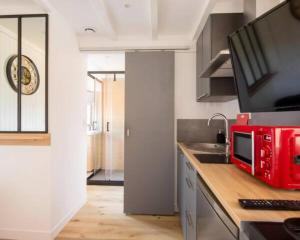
[[89, 30]]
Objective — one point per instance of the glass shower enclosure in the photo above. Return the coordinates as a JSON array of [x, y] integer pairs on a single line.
[[110, 169]]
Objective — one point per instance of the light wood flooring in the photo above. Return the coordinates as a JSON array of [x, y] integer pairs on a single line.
[[102, 218]]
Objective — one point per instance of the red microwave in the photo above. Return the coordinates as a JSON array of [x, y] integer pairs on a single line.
[[271, 154]]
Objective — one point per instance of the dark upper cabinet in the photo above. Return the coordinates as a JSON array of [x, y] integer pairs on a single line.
[[212, 40]]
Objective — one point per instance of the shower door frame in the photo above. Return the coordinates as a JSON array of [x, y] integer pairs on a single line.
[[108, 180]]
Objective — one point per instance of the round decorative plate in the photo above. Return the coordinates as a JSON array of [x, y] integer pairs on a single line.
[[30, 79]]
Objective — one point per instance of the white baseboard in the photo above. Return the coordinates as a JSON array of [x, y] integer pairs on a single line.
[[60, 225], [17, 234]]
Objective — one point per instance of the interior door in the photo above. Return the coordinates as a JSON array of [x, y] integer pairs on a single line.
[[149, 138]]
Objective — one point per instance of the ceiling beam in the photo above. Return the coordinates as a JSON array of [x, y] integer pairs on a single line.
[[87, 43], [104, 17], [206, 11], [154, 18]]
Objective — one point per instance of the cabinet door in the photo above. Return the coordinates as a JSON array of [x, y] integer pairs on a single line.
[[223, 25], [207, 43], [199, 55], [183, 196], [190, 182], [191, 226], [204, 52], [209, 225], [180, 175]]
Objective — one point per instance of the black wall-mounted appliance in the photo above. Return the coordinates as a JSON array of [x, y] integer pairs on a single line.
[[266, 61]]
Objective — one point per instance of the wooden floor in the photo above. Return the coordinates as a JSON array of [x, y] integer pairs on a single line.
[[102, 218]]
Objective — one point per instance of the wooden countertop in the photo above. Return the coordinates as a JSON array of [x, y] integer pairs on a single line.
[[228, 183]]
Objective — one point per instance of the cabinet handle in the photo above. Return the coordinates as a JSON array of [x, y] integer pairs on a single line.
[[188, 165], [189, 183], [189, 218], [128, 132]]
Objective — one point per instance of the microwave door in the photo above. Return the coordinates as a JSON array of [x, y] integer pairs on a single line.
[[244, 149]]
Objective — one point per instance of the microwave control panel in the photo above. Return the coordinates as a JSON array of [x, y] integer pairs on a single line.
[[263, 153]]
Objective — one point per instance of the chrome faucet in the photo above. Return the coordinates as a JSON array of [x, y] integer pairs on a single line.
[[226, 130]]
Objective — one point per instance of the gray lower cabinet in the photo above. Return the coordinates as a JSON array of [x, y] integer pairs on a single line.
[[201, 215], [212, 221], [190, 185], [187, 196], [181, 199]]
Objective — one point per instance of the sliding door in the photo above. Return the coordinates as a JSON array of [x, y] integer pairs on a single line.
[[149, 138]]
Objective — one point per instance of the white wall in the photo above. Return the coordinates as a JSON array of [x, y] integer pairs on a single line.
[[41, 187], [25, 181], [186, 106], [67, 70], [228, 6], [263, 6]]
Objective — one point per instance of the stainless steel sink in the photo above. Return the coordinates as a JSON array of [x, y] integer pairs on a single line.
[[212, 158], [210, 148]]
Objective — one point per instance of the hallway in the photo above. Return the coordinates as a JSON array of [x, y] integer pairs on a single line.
[[102, 218]]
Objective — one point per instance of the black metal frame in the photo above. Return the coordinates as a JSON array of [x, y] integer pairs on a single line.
[[19, 106], [90, 181], [91, 74]]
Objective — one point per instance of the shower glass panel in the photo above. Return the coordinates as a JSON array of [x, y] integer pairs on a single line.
[[97, 124], [114, 119], [94, 125]]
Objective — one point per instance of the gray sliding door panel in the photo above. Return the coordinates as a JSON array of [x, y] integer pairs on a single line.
[[149, 140]]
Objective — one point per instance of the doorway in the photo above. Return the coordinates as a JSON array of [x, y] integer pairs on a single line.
[[106, 145]]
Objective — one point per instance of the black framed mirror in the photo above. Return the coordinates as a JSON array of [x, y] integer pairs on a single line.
[[24, 73]]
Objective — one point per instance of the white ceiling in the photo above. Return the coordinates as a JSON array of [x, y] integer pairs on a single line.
[[122, 24], [178, 18], [173, 17], [134, 24]]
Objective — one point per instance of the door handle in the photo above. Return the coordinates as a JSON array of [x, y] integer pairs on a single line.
[[94, 125], [107, 127], [127, 132], [188, 164]]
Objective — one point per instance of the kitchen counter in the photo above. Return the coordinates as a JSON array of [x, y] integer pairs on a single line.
[[228, 183]]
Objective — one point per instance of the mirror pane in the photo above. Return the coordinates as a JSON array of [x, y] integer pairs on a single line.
[[33, 73], [8, 74]]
